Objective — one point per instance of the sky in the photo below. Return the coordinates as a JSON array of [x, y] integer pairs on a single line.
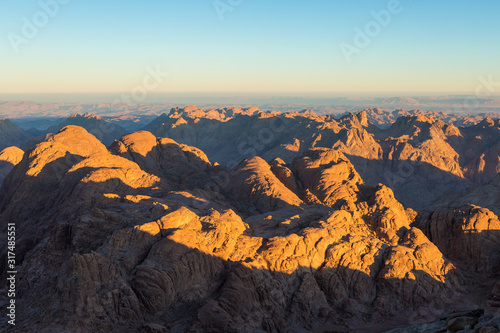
[[292, 47]]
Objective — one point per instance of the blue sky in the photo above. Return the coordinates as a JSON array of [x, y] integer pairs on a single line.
[[260, 46]]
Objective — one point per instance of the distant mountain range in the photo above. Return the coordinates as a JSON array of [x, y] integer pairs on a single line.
[[430, 152], [143, 112], [421, 155], [12, 135], [105, 131]]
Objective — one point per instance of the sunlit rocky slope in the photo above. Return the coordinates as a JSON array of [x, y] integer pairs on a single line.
[[419, 156], [152, 235]]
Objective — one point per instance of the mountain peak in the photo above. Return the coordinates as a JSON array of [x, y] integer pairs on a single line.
[[9, 157], [12, 155], [363, 118], [104, 130]]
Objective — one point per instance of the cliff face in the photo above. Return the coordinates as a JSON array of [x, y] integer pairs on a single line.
[[149, 235]]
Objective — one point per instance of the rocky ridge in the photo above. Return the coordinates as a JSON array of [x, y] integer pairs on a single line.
[[419, 156], [148, 235], [107, 132]]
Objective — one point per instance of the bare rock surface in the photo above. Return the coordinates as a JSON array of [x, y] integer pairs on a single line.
[[466, 234], [252, 181], [9, 157], [420, 155], [136, 238]]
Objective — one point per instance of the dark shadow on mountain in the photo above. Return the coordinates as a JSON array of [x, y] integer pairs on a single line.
[[415, 184], [37, 203], [184, 289], [40, 199], [33, 142], [240, 137], [12, 135], [5, 168], [77, 270], [103, 130], [187, 170], [182, 172], [485, 195], [454, 230]]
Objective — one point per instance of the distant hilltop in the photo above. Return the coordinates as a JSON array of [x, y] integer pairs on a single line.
[[458, 104]]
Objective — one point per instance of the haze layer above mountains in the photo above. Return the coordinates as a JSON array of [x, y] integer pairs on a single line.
[[238, 219]]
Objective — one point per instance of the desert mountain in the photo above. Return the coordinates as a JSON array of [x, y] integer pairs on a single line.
[[9, 157], [12, 135], [149, 235], [384, 119], [420, 157], [102, 129], [463, 234], [459, 107]]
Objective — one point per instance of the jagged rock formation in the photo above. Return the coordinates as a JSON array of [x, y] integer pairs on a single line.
[[252, 181], [179, 164], [12, 135], [384, 119], [422, 155], [456, 109], [479, 150], [466, 234], [470, 237], [329, 176], [137, 237]]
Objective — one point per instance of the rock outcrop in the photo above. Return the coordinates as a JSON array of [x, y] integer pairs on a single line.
[[464, 321], [329, 175], [421, 155], [466, 234], [252, 181], [134, 237], [9, 157]]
